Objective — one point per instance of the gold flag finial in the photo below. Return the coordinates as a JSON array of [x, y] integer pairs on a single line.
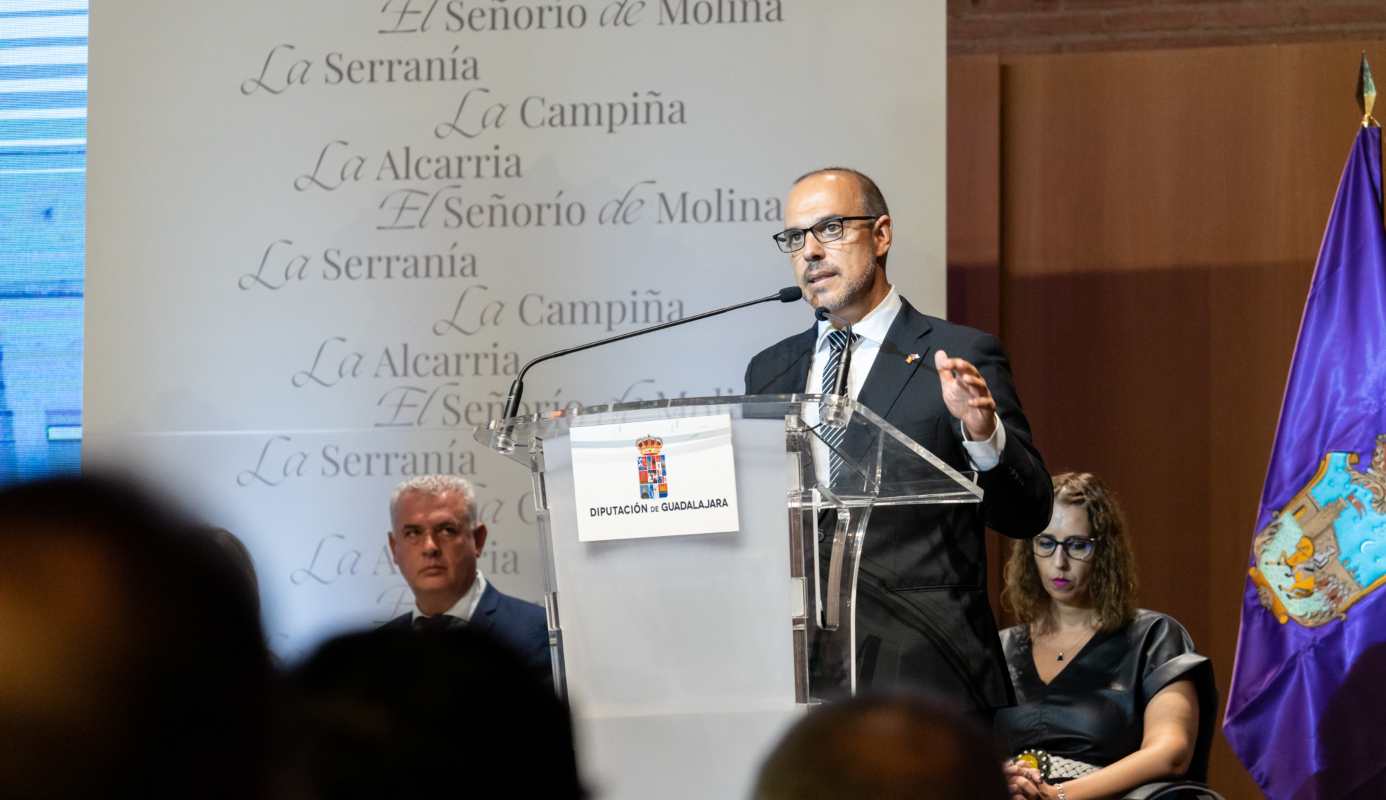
[[1366, 93]]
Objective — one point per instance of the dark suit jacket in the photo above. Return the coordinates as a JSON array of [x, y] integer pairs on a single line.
[[923, 618], [521, 625]]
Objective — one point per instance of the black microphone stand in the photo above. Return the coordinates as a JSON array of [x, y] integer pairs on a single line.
[[503, 440]]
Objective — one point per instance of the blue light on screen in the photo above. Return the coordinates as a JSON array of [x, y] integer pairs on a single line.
[[43, 159]]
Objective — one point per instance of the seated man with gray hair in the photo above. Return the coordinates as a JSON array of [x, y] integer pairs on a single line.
[[436, 539]]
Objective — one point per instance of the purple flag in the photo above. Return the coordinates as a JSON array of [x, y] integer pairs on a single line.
[[1307, 709]]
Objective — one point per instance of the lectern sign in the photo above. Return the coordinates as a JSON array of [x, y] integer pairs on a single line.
[[637, 480]]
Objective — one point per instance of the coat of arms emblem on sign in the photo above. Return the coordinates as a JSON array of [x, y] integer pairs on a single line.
[[654, 480]]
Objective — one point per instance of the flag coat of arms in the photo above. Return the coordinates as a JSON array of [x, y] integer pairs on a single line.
[[1306, 712]]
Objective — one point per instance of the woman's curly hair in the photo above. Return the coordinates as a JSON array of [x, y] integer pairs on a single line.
[[1112, 582]]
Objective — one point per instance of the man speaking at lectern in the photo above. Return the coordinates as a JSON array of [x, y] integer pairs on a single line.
[[922, 617]]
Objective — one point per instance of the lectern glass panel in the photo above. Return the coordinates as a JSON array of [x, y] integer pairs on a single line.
[[670, 646]]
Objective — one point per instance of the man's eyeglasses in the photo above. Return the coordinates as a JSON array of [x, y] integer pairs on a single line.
[[1078, 548], [828, 230]]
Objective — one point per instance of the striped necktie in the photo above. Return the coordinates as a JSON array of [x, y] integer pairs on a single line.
[[832, 436]]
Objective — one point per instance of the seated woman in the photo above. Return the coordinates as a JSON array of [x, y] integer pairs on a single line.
[[1109, 692]]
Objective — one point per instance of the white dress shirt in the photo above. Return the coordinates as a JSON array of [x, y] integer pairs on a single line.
[[871, 333], [465, 606]]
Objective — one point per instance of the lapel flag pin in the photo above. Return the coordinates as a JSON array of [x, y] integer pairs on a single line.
[[911, 358]]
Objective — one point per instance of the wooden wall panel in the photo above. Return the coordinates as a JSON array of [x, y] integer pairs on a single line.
[[974, 219], [974, 190], [1073, 26], [1159, 216], [1175, 158]]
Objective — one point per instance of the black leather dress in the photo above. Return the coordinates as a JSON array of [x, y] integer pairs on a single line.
[[1094, 709]]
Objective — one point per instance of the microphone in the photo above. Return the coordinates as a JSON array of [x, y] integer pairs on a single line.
[[840, 380], [503, 442], [836, 407]]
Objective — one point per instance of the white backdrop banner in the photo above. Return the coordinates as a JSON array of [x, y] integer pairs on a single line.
[[323, 236]]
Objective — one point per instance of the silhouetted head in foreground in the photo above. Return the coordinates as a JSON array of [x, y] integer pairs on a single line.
[[884, 747], [132, 657], [390, 713], [238, 555]]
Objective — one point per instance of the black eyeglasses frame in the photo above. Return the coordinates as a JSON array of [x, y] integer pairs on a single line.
[[782, 238], [1064, 543]]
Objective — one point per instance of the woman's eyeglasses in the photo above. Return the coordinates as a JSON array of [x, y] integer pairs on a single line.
[[1078, 548]]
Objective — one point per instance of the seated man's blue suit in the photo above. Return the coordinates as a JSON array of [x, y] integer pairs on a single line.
[[521, 625]]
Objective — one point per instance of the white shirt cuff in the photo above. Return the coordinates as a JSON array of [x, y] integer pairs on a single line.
[[986, 454]]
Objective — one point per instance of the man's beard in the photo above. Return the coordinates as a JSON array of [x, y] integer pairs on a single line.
[[848, 290]]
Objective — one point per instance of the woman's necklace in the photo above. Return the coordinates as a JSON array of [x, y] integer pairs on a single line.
[[1084, 634]]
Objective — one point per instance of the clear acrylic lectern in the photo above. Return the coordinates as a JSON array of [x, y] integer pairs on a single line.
[[684, 657]]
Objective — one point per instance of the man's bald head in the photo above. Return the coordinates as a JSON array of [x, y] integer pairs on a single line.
[[873, 202]]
